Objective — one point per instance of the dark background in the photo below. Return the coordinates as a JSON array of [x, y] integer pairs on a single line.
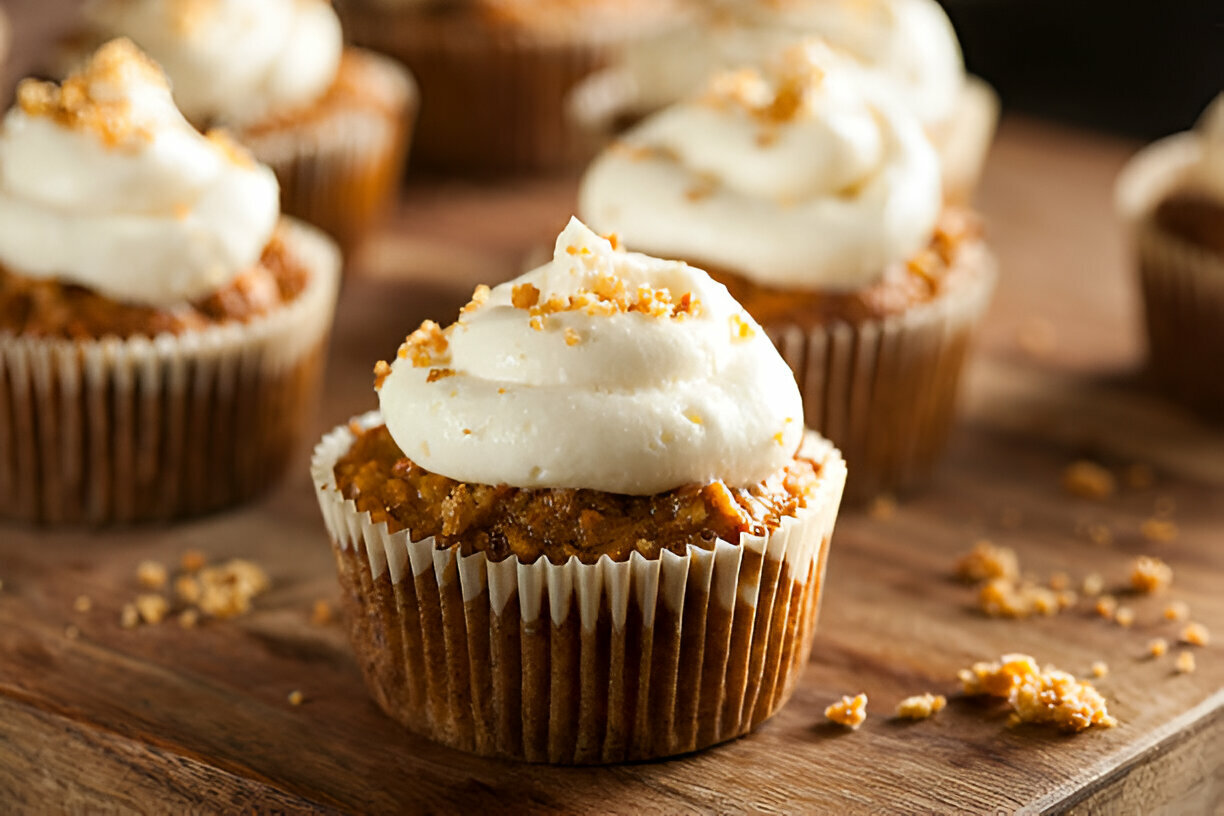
[[1142, 68]]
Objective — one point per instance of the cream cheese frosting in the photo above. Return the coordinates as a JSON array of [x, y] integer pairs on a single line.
[[799, 175], [604, 370], [103, 183], [1207, 175], [232, 62]]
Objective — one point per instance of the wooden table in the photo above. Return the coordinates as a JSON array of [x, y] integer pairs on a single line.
[[162, 719]]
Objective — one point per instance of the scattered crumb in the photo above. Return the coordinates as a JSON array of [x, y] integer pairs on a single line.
[[1150, 574], [227, 589], [1157, 647], [187, 589], [296, 698], [1060, 581], [1159, 531], [152, 608], [1098, 533], [83, 603], [1185, 662], [1051, 697], [1125, 616], [1139, 476], [1002, 598], [1177, 611], [129, 617], [71, 632], [188, 618], [1037, 337], [1100, 668], [1093, 584], [1106, 606], [849, 711], [883, 507], [321, 614], [1088, 480], [986, 561], [1067, 599], [921, 706], [1195, 634], [192, 561], [151, 574]]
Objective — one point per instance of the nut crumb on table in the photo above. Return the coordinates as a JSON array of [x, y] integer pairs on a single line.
[[1149, 574], [83, 603], [152, 608], [151, 574], [1038, 696], [849, 711], [1157, 647], [1177, 611], [1088, 480], [1125, 616], [1195, 634], [1093, 584], [921, 706], [1100, 668], [986, 561], [1185, 662]]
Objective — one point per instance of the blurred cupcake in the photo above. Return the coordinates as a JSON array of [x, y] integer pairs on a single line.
[[906, 45], [588, 525], [332, 122], [1172, 196], [162, 330], [816, 199], [495, 74]]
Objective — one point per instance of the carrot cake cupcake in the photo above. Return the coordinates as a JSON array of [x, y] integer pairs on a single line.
[[906, 45], [588, 525], [496, 74], [332, 122], [1172, 196], [162, 329], [816, 198]]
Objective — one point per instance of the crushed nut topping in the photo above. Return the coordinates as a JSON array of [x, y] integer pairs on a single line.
[[296, 698], [1088, 480], [1093, 584], [192, 561], [849, 711], [1150, 574], [1039, 696], [83, 603], [921, 706], [436, 374]]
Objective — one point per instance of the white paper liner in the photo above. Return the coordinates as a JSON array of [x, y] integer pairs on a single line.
[[115, 431], [341, 171], [885, 391], [580, 663]]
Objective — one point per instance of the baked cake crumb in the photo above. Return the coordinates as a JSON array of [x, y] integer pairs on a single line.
[[1159, 531], [1106, 606], [151, 574], [1195, 634], [1157, 647], [1100, 668], [321, 613], [1093, 584], [296, 698], [849, 711], [1002, 598], [1125, 616], [187, 589], [921, 706], [1088, 480], [83, 603], [129, 616], [1039, 696], [188, 618], [152, 608], [1185, 662], [986, 561], [1177, 611], [192, 561], [1150, 574], [227, 589]]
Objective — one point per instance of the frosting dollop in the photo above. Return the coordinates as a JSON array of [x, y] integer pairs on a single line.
[[1207, 174], [603, 370], [799, 175], [103, 183], [232, 62]]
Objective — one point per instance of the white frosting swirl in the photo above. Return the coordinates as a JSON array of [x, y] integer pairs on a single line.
[[1208, 174], [619, 401], [103, 183], [803, 177], [232, 62]]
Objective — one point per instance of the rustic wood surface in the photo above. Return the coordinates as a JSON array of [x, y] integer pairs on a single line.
[[161, 719]]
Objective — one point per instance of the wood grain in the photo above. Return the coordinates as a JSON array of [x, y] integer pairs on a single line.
[[163, 719]]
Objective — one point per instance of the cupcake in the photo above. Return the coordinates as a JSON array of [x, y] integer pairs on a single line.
[[332, 122], [816, 198], [1172, 197], [907, 45], [588, 525], [496, 74], [162, 329]]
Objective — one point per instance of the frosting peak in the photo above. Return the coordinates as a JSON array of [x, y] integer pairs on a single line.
[[1210, 132], [104, 183], [800, 175], [603, 370]]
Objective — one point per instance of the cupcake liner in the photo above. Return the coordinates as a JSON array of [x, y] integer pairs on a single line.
[[117, 431], [494, 100], [579, 663], [963, 141], [1182, 284], [340, 171], [885, 391]]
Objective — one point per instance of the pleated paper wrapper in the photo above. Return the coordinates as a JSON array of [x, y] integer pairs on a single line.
[[340, 170], [1182, 284], [118, 431], [885, 391], [580, 663]]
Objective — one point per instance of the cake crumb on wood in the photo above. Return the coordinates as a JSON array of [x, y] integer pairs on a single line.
[[1157, 647], [83, 603], [1125, 616], [849, 711], [321, 613], [1185, 662], [152, 608], [1177, 611], [192, 561], [1195, 634], [1088, 480], [921, 706], [296, 698], [1039, 696], [151, 574], [129, 616], [1149, 574], [986, 561]]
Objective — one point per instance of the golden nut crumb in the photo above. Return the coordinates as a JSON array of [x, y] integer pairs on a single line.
[[1100, 668], [152, 608], [321, 613], [382, 370], [426, 347], [1177, 611], [1067, 599], [83, 603], [192, 561], [296, 698], [188, 618], [1125, 616], [226, 590], [187, 589], [129, 616], [921, 706], [1088, 480], [1150, 574], [883, 507], [1003, 598], [986, 561], [1185, 662], [849, 711], [151, 574], [1106, 606], [1195, 634], [1157, 647], [1159, 531], [572, 338], [1059, 581], [1045, 697], [1092, 585]]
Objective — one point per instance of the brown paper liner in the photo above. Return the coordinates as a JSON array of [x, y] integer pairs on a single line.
[[340, 170], [118, 431], [580, 663], [494, 101], [884, 391]]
